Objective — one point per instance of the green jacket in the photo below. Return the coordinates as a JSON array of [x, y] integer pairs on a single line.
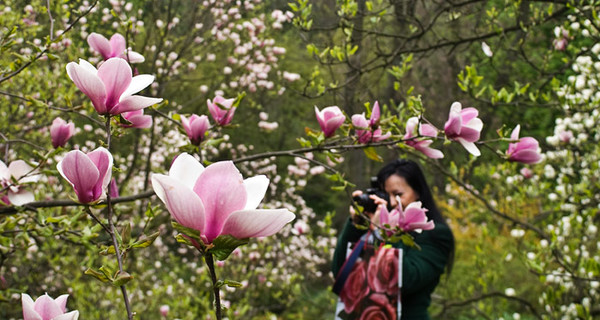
[[421, 269]]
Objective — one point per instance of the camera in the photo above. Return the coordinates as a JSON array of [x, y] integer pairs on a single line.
[[364, 199]]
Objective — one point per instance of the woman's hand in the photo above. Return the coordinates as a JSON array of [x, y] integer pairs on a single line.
[[373, 216]]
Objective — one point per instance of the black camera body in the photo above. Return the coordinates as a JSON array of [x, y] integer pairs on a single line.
[[364, 199]]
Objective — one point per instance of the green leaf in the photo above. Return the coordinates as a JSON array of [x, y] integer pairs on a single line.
[[122, 278], [224, 246], [107, 250], [232, 283], [372, 154], [194, 234], [126, 233], [144, 241], [98, 275]]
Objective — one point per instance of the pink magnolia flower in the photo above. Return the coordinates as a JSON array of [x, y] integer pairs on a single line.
[[61, 131], [111, 87], [221, 110], [525, 150], [464, 126], [12, 180], [164, 310], [216, 200], [375, 115], [46, 308], [411, 219], [115, 48], [137, 119], [195, 127], [330, 119], [365, 131], [421, 144], [89, 174]]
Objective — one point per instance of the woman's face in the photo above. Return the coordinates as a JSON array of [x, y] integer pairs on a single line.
[[396, 185]]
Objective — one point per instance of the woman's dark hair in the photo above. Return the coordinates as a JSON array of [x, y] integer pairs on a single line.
[[411, 172]]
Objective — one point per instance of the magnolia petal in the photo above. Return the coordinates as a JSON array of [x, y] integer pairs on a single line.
[[411, 125], [62, 302], [81, 173], [384, 216], [256, 223], [73, 315], [90, 84], [135, 57], [468, 114], [22, 172], [359, 121], [375, 114], [29, 312], [469, 134], [428, 130], [4, 172], [115, 73], [524, 143], [474, 124], [430, 152], [140, 121], [103, 160], [256, 187], [186, 125], [186, 169], [133, 103], [46, 307], [470, 146], [221, 188], [526, 156], [99, 43], [117, 45], [183, 204], [20, 198], [138, 83], [514, 135]]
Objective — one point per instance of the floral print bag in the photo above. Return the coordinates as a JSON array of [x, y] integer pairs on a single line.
[[369, 282]]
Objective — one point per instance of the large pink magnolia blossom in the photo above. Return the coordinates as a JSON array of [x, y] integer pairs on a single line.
[[421, 144], [46, 308], [413, 218], [195, 127], [12, 179], [216, 200], [111, 86], [61, 131], [464, 126], [115, 48], [137, 120], [221, 110], [330, 119], [525, 150], [89, 174]]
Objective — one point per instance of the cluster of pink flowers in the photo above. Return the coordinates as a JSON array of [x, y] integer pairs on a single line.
[[368, 130], [196, 127]]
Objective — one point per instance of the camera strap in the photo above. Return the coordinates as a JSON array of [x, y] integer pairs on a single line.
[[340, 280]]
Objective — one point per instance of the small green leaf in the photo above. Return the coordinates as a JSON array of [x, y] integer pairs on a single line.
[[233, 284], [96, 274], [126, 233], [107, 250], [122, 278], [144, 241], [194, 234], [372, 154], [224, 246]]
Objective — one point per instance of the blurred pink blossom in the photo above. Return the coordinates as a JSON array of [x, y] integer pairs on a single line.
[[221, 110], [61, 131], [115, 48], [414, 218], [525, 150], [421, 144], [464, 126], [89, 174], [330, 119], [12, 180], [195, 127], [46, 308]]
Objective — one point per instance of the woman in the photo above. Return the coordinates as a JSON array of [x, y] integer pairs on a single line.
[[421, 269]]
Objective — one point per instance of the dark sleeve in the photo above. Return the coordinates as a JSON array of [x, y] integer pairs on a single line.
[[349, 234], [422, 268]]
